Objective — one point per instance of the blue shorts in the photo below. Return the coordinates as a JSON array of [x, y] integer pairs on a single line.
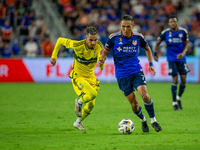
[[178, 67], [129, 84]]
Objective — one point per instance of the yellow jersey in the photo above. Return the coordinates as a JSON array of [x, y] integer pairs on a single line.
[[85, 59]]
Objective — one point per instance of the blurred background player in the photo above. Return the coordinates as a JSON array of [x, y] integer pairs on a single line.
[[85, 84], [129, 74], [176, 39]]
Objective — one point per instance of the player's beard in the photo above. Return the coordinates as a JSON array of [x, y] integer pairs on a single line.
[[174, 28], [92, 46]]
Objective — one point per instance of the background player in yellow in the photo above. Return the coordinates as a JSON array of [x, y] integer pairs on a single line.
[[84, 82]]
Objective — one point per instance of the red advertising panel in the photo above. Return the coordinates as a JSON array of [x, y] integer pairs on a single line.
[[14, 70]]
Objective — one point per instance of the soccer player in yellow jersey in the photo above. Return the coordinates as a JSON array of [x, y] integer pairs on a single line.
[[84, 82]]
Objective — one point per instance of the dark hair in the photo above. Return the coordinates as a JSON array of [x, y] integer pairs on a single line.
[[127, 17], [91, 30], [173, 16]]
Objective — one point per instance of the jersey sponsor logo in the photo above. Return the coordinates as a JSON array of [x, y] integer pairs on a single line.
[[85, 61], [129, 49], [175, 40], [119, 49]]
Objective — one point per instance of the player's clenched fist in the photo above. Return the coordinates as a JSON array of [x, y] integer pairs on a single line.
[[53, 61]]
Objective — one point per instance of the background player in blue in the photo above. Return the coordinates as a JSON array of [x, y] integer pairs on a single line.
[[128, 71], [176, 39]]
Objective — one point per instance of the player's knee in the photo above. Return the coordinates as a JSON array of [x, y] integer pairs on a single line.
[[146, 97], [90, 106], [135, 107], [183, 81], [93, 94]]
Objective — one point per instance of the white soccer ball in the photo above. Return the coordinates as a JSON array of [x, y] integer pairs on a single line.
[[126, 126]]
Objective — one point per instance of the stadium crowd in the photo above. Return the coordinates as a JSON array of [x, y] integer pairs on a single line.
[[22, 33], [150, 17], [19, 26]]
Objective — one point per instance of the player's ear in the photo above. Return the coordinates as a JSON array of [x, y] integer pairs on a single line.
[[133, 25]]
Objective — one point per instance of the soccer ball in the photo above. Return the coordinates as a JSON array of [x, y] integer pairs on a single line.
[[126, 126]]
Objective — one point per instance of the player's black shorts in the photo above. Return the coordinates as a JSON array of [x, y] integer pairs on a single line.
[[178, 67], [129, 84]]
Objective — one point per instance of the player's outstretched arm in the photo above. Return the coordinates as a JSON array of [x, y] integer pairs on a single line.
[[181, 55], [156, 50], [60, 41], [104, 54], [150, 59]]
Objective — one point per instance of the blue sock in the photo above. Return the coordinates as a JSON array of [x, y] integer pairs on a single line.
[[139, 113], [174, 90], [181, 89], [149, 108]]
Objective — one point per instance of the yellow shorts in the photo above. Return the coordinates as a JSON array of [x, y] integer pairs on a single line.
[[81, 82]]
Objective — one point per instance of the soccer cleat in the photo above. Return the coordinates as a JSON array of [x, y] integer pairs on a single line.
[[176, 107], [145, 127], [79, 126], [78, 108], [156, 126], [178, 99], [179, 104]]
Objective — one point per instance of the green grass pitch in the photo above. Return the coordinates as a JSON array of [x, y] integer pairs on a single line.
[[40, 117]]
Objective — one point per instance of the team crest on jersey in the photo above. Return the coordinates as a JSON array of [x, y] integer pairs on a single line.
[[180, 35], [134, 43], [94, 52], [120, 39], [80, 84]]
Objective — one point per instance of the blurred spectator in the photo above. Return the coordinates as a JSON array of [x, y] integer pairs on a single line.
[[11, 10], [67, 9], [7, 31], [2, 13], [21, 9], [31, 48], [7, 50], [47, 47], [61, 4], [190, 50], [15, 45], [1, 49], [195, 24], [169, 8], [41, 26], [138, 7], [93, 17], [26, 22], [32, 29], [11, 2]]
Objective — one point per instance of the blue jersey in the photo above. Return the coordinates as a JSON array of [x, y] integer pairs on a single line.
[[125, 53], [175, 42]]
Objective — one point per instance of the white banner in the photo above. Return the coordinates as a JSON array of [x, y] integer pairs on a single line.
[[42, 71]]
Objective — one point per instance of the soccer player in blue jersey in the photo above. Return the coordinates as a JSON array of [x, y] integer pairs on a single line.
[[176, 39], [128, 71]]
